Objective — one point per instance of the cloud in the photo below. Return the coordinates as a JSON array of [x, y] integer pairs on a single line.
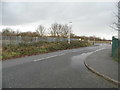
[[89, 18], [25, 12], [0, 14]]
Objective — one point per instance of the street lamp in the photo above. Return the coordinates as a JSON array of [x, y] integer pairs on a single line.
[[70, 26], [94, 39]]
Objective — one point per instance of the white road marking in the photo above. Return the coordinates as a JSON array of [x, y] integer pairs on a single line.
[[88, 53], [98, 50], [61, 55], [49, 57]]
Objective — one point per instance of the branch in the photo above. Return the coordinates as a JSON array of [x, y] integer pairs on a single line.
[[115, 28], [117, 24]]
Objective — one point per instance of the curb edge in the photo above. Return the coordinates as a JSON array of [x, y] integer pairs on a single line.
[[102, 75]]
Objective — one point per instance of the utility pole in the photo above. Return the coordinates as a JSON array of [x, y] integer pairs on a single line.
[[70, 26], [119, 20]]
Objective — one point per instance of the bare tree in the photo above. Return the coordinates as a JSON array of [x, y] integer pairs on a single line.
[[8, 32], [118, 20], [54, 29], [17, 32], [65, 30], [41, 30], [60, 30], [117, 24]]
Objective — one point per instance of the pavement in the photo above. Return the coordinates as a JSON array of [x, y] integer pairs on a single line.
[[61, 69], [101, 63]]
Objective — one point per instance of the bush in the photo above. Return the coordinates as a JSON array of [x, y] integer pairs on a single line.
[[39, 47]]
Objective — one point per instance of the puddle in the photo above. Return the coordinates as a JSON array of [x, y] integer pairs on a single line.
[[77, 61]]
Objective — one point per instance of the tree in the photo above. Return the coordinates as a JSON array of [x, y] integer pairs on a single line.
[[65, 30], [119, 20], [60, 30], [17, 32], [41, 30], [117, 24], [54, 29], [8, 32]]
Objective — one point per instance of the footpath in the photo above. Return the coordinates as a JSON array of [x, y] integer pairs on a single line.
[[102, 64]]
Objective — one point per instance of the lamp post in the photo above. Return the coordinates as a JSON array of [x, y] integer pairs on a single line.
[[94, 39], [70, 26]]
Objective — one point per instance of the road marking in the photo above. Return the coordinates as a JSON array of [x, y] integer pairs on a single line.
[[60, 55], [49, 57], [98, 50], [88, 53]]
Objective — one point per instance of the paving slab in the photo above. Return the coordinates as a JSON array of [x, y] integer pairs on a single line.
[[102, 63]]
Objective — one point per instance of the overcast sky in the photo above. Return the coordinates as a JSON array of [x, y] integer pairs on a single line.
[[88, 18]]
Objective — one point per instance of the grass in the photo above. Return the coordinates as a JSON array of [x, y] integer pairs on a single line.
[[23, 49]]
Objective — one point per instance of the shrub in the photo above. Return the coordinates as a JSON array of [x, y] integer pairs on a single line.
[[39, 47]]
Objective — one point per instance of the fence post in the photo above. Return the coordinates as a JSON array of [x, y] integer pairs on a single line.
[[116, 48], [113, 46], [36, 39]]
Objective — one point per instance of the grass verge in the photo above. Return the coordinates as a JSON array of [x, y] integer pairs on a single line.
[[25, 49]]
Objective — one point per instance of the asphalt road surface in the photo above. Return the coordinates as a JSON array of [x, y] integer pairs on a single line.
[[61, 69]]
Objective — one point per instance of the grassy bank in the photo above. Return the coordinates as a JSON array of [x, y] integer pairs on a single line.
[[14, 51]]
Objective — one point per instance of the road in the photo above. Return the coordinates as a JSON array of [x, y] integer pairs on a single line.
[[61, 69]]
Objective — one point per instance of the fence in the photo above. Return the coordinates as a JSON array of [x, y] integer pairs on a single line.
[[116, 48], [18, 39]]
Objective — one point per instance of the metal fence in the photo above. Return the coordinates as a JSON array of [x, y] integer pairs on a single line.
[[116, 48], [5, 40]]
